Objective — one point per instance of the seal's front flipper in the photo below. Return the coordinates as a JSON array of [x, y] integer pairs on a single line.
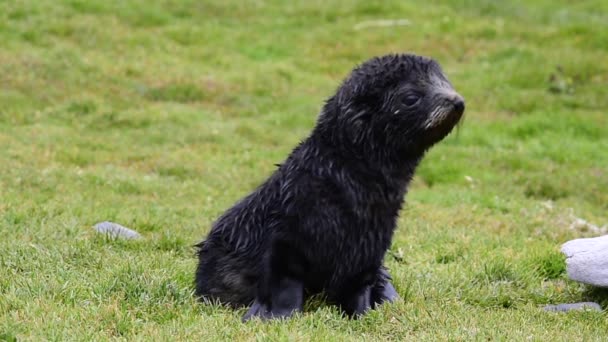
[[383, 291], [286, 298], [357, 304], [257, 309]]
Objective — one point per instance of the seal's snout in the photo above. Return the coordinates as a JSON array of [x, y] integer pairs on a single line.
[[448, 111], [458, 103], [456, 100]]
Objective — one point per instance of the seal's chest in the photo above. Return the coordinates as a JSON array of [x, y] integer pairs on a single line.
[[354, 248]]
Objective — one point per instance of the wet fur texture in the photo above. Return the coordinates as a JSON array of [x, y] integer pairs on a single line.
[[323, 221]]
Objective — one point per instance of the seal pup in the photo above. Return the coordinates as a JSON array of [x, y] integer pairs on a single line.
[[323, 221]]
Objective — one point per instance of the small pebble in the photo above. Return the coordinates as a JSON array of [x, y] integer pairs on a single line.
[[115, 230], [574, 306]]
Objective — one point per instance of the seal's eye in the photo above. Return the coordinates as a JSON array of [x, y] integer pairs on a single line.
[[411, 99]]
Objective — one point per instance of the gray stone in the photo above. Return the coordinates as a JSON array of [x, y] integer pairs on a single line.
[[115, 230], [587, 260], [574, 306]]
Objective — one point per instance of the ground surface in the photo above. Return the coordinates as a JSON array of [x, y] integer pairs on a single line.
[[160, 114]]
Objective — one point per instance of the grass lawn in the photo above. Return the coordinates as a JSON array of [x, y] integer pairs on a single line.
[[161, 114]]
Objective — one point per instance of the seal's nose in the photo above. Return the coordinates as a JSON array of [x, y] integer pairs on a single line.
[[455, 100], [459, 104]]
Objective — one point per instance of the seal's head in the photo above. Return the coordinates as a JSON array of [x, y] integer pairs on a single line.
[[399, 103]]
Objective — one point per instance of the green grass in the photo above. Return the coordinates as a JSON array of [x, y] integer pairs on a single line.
[[161, 114]]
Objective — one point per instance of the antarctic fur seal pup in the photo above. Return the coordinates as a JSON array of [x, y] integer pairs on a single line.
[[323, 221]]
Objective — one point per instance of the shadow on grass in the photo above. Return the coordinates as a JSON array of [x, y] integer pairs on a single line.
[[598, 295]]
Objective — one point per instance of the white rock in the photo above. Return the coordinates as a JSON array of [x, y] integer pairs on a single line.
[[587, 260], [114, 230]]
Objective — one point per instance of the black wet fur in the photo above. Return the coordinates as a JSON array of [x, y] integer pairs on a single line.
[[324, 219]]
